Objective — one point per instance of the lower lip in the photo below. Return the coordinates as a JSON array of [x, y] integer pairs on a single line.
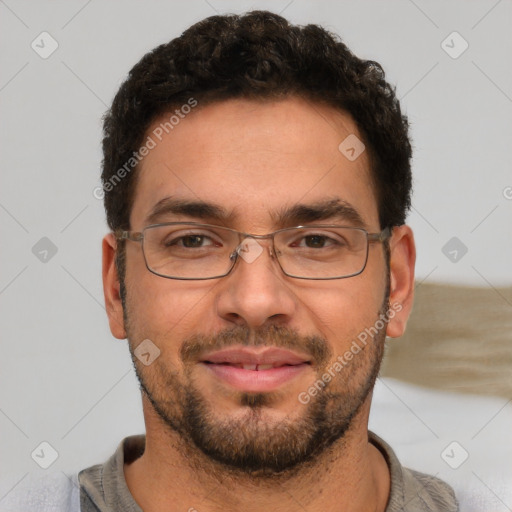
[[256, 380]]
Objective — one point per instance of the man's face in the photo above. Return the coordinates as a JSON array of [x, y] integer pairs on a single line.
[[255, 161]]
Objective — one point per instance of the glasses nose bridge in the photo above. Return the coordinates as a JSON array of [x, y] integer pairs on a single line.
[[243, 237]]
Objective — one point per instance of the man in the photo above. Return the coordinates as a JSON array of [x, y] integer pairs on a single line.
[[257, 179]]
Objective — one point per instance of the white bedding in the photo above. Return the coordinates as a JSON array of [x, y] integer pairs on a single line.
[[421, 424]]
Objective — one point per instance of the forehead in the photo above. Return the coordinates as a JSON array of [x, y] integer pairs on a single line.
[[255, 158]]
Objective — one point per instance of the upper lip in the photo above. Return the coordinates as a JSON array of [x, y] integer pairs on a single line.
[[264, 356]]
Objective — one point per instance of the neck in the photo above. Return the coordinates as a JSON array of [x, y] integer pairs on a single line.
[[171, 475]]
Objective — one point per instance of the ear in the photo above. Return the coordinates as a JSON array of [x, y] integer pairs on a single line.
[[111, 287], [401, 296]]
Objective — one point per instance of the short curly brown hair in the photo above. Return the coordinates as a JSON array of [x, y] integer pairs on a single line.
[[258, 55]]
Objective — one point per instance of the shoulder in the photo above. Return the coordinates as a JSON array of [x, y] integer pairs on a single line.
[[412, 491], [426, 493], [54, 492]]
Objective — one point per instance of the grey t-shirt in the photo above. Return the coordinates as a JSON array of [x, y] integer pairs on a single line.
[[103, 487]]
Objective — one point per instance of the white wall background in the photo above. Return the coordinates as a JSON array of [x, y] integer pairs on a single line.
[[64, 379]]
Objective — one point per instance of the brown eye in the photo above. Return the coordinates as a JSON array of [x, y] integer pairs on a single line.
[[192, 241], [315, 241]]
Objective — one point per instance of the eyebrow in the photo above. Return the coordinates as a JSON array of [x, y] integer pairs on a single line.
[[189, 208], [335, 209], [331, 209]]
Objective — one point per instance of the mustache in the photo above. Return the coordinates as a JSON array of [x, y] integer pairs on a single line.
[[270, 336]]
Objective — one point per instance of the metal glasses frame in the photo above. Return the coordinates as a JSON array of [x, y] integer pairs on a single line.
[[138, 236]]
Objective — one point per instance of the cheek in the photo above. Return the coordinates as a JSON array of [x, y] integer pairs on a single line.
[[164, 310], [343, 309]]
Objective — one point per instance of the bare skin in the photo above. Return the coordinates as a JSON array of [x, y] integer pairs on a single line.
[[255, 159]]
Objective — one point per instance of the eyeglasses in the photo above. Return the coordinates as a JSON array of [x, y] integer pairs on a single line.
[[189, 250]]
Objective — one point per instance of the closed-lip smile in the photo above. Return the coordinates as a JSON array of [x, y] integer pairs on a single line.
[[256, 369]]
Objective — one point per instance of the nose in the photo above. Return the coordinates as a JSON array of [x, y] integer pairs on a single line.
[[256, 291]]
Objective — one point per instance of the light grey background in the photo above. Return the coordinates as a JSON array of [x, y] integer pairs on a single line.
[[64, 379]]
